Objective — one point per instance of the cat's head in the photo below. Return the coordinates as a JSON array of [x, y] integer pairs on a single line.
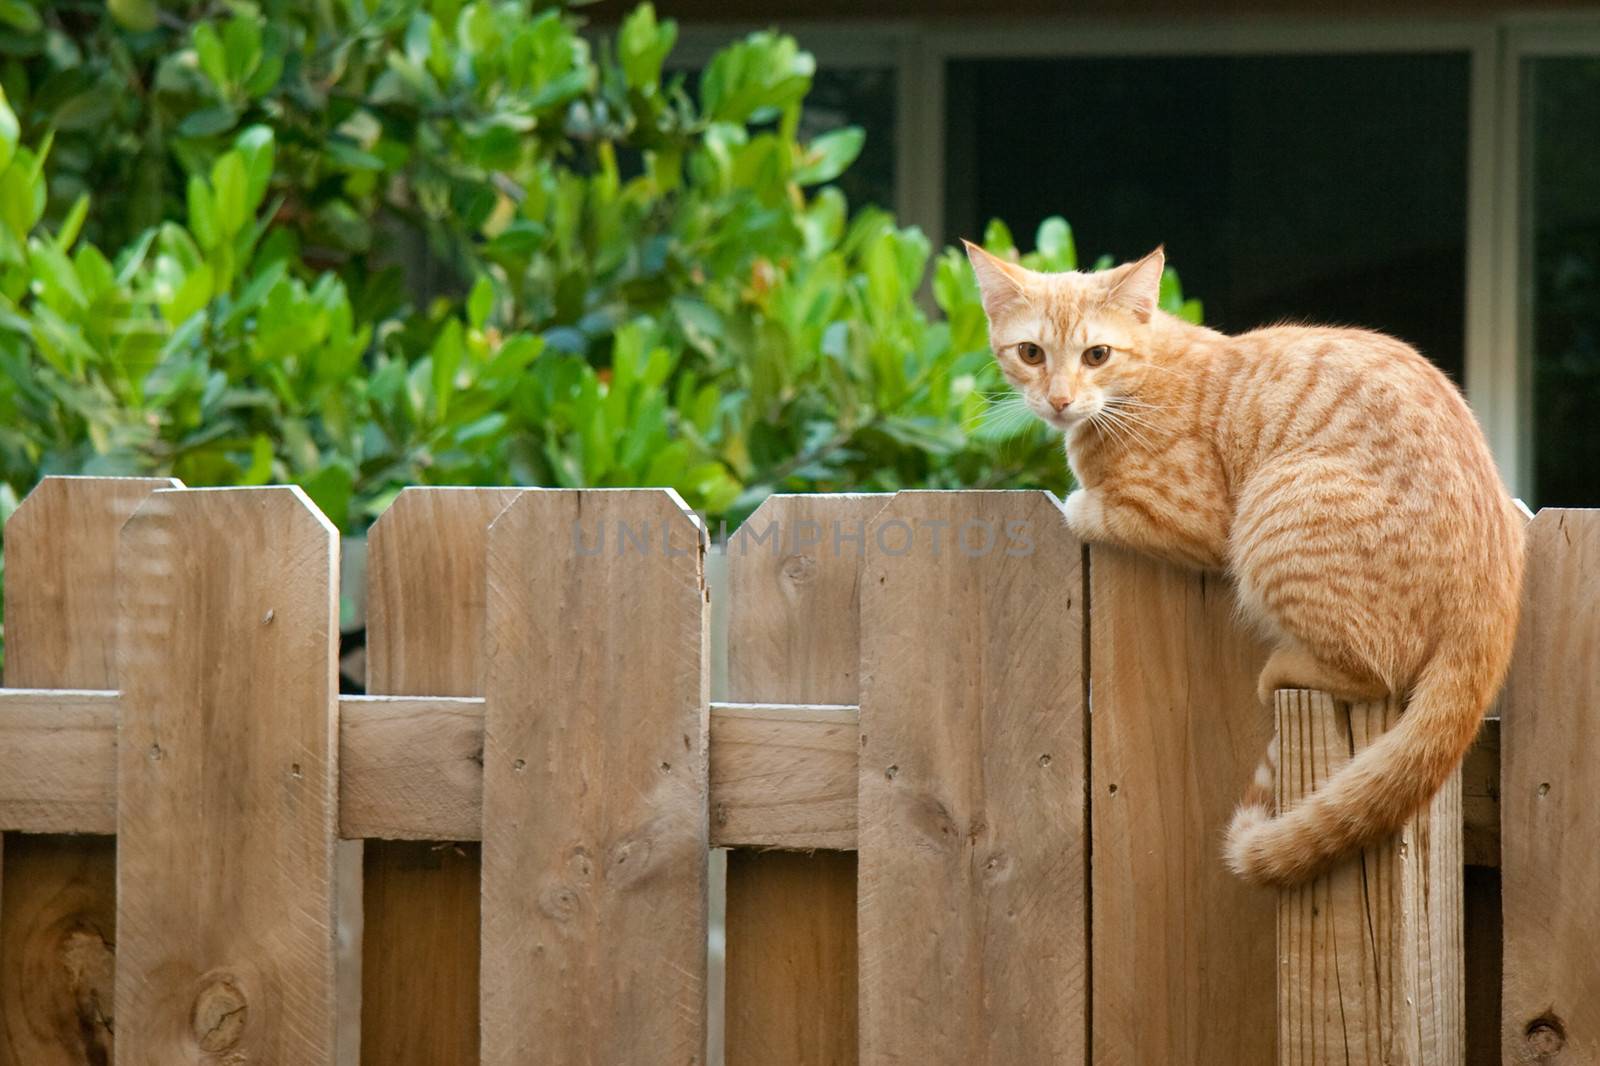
[[1070, 343]]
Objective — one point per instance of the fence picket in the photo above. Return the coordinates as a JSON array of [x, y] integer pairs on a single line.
[[426, 573], [594, 801], [227, 779], [1184, 955], [58, 906], [1369, 953], [1549, 777], [794, 637], [972, 824]]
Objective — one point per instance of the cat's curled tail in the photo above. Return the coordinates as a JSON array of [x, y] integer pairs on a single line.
[[1373, 794]]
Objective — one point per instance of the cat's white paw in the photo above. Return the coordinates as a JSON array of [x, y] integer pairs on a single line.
[[1085, 514]]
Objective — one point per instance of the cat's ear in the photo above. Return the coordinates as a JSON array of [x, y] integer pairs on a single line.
[[1004, 284], [1136, 287]]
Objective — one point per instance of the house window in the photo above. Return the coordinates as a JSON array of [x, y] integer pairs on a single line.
[[1314, 188], [1561, 113]]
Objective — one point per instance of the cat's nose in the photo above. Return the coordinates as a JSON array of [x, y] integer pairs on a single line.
[[1060, 403]]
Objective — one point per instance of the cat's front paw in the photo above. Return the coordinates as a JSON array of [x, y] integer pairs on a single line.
[[1085, 515]]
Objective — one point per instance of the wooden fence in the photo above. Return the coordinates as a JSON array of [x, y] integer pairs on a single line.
[[972, 777]]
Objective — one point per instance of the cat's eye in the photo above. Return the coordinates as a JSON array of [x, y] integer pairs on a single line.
[[1030, 353], [1097, 355]]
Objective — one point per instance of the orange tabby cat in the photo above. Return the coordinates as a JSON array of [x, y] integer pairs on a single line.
[[1335, 474]]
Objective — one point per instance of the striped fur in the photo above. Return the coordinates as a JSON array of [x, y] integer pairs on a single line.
[[1335, 474]]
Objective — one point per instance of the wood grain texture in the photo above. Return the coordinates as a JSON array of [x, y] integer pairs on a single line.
[[426, 574], [794, 637], [595, 826], [61, 588], [973, 854], [1550, 776], [1183, 951], [56, 929], [1369, 954], [784, 776], [58, 761], [227, 779], [411, 768]]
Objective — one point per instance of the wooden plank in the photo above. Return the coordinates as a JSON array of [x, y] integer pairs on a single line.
[[58, 761], [1183, 951], [1550, 775], [794, 637], [973, 897], [411, 768], [595, 827], [227, 778], [60, 586], [426, 565], [784, 776], [1370, 953]]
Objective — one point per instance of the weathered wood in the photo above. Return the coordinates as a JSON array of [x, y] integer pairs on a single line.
[[56, 929], [426, 565], [793, 637], [58, 760], [411, 768], [1370, 953], [227, 778], [60, 586], [595, 825], [1183, 950], [973, 855], [783, 776], [1550, 777]]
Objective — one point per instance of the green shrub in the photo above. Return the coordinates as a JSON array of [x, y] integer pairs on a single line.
[[370, 243]]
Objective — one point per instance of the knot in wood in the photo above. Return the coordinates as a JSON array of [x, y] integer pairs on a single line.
[[220, 1014], [1546, 1037], [800, 569]]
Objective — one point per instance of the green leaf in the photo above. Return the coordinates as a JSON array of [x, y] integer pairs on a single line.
[[255, 147], [213, 57], [140, 16], [208, 122], [21, 16], [241, 45], [643, 45], [10, 132], [1055, 245], [330, 488], [230, 190], [202, 212], [259, 472], [67, 233], [829, 155], [481, 302]]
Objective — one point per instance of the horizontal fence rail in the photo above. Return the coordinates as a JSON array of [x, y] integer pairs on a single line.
[[411, 768]]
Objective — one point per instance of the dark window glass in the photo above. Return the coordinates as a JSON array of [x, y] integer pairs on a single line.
[[1323, 189], [865, 97], [1563, 109]]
